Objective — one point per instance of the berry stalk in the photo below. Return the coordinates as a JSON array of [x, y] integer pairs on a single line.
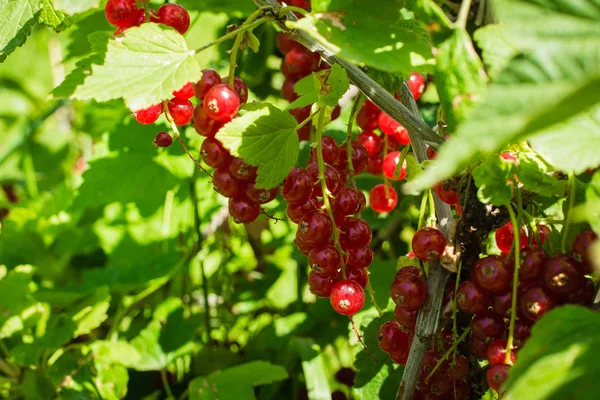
[[448, 352], [243, 28], [247, 25], [513, 306], [565, 232], [353, 113]]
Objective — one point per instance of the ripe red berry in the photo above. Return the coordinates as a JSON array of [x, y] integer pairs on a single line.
[[260, 196], [204, 125], [496, 352], [240, 87], [318, 285], [181, 111], [298, 186], [175, 16], [221, 103], [532, 264], [226, 184], [121, 13], [295, 211], [431, 359], [324, 260], [243, 210], [502, 303], [380, 201], [287, 90], [370, 141], [505, 236], [400, 357], [210, 78], [496, 375], [186, 92], [409, 291], [301, 246], [360, 157], [358, 275], [347, 297], [315, 228], [389, 126], [242, 171], [584, 295], [214, 154], [406, 317], [416, 83], [392, 338], [431, 153], [428, 244], [329, 148], [285, 43], [460, 369], [470, 299], [346, 202], [446, 194], [163, 139], [359, 257], [477, 346], [390, 162], [408, 270], [355, 232], [492, 273], [333, 178], [488, 325], [534, 303], [367, 116], [522, 332], [305, 4], [149, 115], [581, 248], [562, 275], [375, 165], [297, 63]]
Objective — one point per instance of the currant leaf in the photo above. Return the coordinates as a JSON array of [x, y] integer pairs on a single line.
[[18, 17]]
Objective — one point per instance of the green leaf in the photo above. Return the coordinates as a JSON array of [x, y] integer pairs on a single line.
[[590, 210], [49, 15], [381, 38], [405, 261], [392, 82], [76, 6], [144, 68], [18, 17], [15, 296], [241, 7], [323, 87], [36, 386], [236, 383], [264, 136], [559, 360], [313, 366], [491, 180], [534, 175], [459, 77], [495, 42]]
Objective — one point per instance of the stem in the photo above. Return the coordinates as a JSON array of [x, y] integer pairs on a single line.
[[326, 194], [454, 306], [386, 184], [243, 28], [422, 209], [463, 13], [372, 294], [565, 232], [447, 353], [247, 25], [349, 148], [165, 382], [513, 307], [146, 10], [431, 205], [401, 161]]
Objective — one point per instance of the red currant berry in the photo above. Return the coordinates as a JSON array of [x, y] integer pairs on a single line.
[[333, 178], [370, 141], [140, 17], [355, 232], [305, 4], [409, 291], [287, 90], [502, 303], [297, 63], [562, 275], [375, 165], [121, 13], [359, 257], [487, 325], [470, 299], [431, 359], [584, 295], [210, 78], [149, 115], [390, 162], [446, 194], [431, 153], [360, 157], [496, 352], [298, 186], [240, 88], [260, 196], [186, 92], [243, 210], [534, 303], [324, 260], [318, 285], [400, 357], [301, 246], [221, 103], [242, 171], [439, 385], [392, 338], [285, 43], [532, 264], [175, 16], [315, 228], [181, 111], [214, 154], [492, 273], [163, 139], [389, 126], [416, 83], [301, 113], [522, 333], [347, 297], [367, 116], [295, 211], [202, 123], [406, 317], [581, 248], [460, 369], [478, 346], [505, 236], [358, 275], [428, 244], [408, 270], [226, 184], [346, 202], [496, 375], [336, 112], [329, 148], [380, 201]]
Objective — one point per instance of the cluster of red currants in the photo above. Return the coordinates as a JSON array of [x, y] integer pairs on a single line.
[[545, 281], [125, 14], [385, 158]]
